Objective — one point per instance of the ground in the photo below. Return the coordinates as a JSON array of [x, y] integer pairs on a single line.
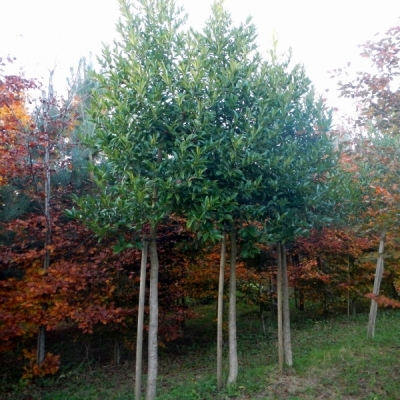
[[333, 359]]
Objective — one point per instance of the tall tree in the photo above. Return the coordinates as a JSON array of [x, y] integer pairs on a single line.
[[31, 150], [298, 167], [54, 118], [376, 94], [264, 153], [135, 123], [34, 147], [220, 75]]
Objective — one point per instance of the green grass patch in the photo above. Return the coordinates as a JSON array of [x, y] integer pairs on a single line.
[[333, 359]]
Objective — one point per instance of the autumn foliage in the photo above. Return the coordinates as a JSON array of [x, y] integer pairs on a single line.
[[14, 123], [90, 287]]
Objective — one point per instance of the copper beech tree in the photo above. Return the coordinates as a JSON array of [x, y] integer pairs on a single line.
[[41, 262], [376, 94], [15, 121]]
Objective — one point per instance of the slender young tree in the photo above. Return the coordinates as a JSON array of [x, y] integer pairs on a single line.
[[53, 119], [139, 338], [377, 283], [262, 135], [376, 94], [222, 82], [297, 168], [287, 342], [233, 360], [47, 102], [136, 121], [279, 305], [220, 313]]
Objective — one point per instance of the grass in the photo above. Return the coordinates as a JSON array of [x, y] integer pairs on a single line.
[[333, 359]]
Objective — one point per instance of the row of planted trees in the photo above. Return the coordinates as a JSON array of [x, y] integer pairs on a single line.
[[187, 139]]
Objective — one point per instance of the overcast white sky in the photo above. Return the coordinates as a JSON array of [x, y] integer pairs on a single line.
[[323, 34]]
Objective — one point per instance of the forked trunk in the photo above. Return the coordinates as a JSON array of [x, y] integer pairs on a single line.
[[153, 323], [287, 343], [377, 284], [139, 339], [233, 359], [279, 304], [220, 312]]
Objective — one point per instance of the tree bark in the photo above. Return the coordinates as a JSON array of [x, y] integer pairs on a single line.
[[152, 367], [233, 359], [301, 299], [139, 339], [287, 343], [41, 340], [220, 312], [377, 284], [117, 349], [348, 283], [279, 304], [260, 291], [40, 347], [153, 323]]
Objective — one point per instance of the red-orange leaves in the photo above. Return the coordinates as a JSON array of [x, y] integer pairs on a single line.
[[14, 125], [50, 365]]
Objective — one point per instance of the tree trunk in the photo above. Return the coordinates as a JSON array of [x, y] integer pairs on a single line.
[[139, 339], [273, 300], [41, 340], [353, 303], [233, 359], [377, 284], [40, 348], [117, 349], [301, 299], [348, 284], [220, 312], [260, 291], [152, 367], [279, 304], [153, 324], [287, 343]]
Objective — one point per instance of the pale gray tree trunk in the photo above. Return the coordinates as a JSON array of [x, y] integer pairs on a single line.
[[377, 284], [233, 358], [153, 323], [287, 343], [348, 283], [279, 304], [117, 349], [260, 291], [139, 339], [220, 312], [41, 340], [48, 101], [152, 367]]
